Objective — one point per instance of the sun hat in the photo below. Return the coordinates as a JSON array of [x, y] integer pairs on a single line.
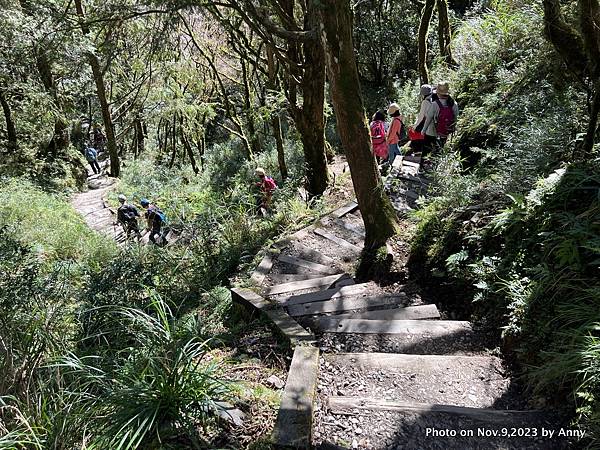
[[426, 90], [393, 108], [260, 172], [443, 88], [122, 198]]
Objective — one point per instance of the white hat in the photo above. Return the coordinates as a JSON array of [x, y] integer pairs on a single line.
[[393, 108], [122, 198], [260, 172]]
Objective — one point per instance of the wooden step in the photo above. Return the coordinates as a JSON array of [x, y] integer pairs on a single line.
[[293, 428], [258, 276], [344, 304], [303, 284], [409, 363], [407, 313], [356, 290], [315, 267], [313, 255], [337, 240], [339, 405], [280, 278], [347, 208], [408, 327], [358, 230]]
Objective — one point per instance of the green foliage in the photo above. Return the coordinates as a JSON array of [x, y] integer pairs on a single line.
[[50, 225], [156, 390], [516, 233]]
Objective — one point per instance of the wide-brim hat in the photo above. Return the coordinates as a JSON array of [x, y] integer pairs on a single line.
[[260, 172], [443, 89], [393, 108]]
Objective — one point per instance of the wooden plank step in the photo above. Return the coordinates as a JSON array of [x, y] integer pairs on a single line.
[[345, 280], [339, 241], [411, 164], [284, 324], [303, 284], [316, 267], [293, 428], [347, 208], [361, 289], [280, 278], [408, 327], [360, 231], [344, 304], [258, 276], [314, 255], [405, 362], [497, 416], [407, 313]]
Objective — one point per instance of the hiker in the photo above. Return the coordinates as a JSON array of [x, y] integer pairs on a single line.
[[444, 110], [127, 217], [99, 138], [155, 219], [378, 139], [267, 186], [92, 157], [394, 133], [423, 142]]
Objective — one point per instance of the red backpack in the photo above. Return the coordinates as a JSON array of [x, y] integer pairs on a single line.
[[377, 132], [446, 119]]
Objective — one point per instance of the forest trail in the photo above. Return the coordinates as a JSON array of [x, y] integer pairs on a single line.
[[383, 369], [93, 207]]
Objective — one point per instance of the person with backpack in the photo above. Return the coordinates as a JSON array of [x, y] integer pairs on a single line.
[[267, 187], [378, 136], [92, 157], [445, 111], [127, 217], [422, 142], [395, 132], [155, 220]]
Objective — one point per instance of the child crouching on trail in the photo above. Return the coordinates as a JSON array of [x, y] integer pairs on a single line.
[[267, 186], [378, 130]]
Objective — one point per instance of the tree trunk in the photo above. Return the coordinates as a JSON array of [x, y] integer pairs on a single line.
[[173, 142], [187, 146], [378, 215], [275, 119], [564, 38], [11, 130], [445, 33], [111, 144], [309, 118], [423, 33], [140, 137], [590, 136], [254, 141]]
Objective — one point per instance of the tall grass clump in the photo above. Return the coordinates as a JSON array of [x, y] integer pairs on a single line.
[[48, 224]]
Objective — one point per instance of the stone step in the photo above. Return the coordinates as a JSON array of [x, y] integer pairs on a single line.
[[342, 304], [407, 313]]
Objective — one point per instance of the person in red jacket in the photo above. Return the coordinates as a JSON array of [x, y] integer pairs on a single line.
[[267, 186]]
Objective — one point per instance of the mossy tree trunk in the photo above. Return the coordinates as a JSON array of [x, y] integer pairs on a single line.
[[11, 130], [336, 32], [426, 14], [97, 73], [275, 117], [445, 33]]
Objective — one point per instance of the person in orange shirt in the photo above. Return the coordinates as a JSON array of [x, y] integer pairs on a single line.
[[394, 132]]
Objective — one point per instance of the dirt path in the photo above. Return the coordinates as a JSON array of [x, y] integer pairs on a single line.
[[391, 373], [93, 207]]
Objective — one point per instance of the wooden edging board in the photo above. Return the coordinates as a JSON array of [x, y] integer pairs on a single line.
[[293, 429], [340, 404], [303, 284], [342, 304], [283, 323]]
